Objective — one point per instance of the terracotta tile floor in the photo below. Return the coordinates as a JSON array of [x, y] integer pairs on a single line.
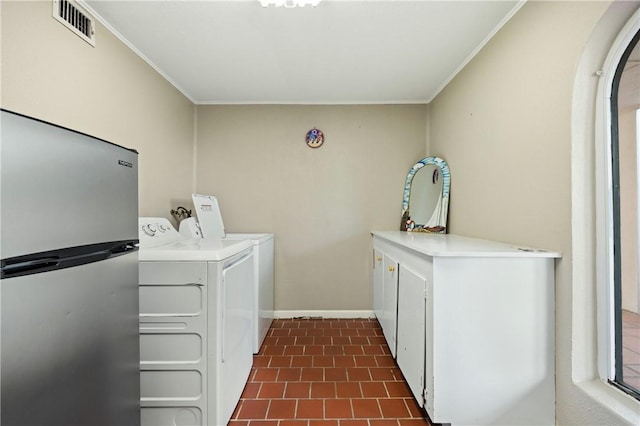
[[321, 372]]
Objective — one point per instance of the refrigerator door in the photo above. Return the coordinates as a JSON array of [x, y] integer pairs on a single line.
[[69, 288], [60, 188], [70, 352]]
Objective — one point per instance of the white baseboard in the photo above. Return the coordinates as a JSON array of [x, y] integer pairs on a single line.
[[324, 314]]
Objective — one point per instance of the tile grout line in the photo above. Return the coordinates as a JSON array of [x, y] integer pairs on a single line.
[[365, 356]]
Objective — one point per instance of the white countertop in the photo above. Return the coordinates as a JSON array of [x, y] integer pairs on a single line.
[[455, 245]]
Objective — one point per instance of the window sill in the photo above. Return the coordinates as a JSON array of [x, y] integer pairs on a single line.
[[621, 404]]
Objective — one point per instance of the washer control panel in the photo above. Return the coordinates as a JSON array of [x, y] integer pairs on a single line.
[[156, 231]]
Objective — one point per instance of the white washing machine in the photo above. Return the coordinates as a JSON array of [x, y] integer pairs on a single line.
[[209, 224], [196, 342]]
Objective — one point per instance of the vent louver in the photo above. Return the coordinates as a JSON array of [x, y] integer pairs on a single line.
[[72, 16]]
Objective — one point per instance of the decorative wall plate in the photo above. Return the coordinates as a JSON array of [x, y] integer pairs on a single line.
[[315, 138]]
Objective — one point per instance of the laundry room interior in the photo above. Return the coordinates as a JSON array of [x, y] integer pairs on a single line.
[[507, 121]]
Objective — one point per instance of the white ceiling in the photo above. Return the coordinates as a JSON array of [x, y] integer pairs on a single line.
[[340, 52]]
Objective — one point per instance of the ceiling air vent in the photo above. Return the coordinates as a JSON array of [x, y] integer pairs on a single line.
[[72, 16]]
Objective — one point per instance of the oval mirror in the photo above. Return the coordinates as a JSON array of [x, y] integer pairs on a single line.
[[425, 202]]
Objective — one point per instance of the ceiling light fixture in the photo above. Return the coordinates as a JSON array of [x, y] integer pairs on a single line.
[[289, 3]]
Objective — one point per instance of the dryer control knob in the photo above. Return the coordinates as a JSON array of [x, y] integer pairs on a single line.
[[149, 229]]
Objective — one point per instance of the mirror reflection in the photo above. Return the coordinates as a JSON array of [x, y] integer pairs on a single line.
[[425, 202]]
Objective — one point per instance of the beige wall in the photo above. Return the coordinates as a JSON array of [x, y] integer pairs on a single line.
[[321, 203], [107, 91], [504, 124]]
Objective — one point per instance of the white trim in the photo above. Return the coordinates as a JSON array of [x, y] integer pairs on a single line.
[[324, 314], [622, 404], [480, 46], [444, 84], [604, 204], [599, 398], [194, 145], [463, 64], [637, 123], [302, 102], [134, 49], [130, 45]]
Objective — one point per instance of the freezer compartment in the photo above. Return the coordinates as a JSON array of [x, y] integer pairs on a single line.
[[50, 170]]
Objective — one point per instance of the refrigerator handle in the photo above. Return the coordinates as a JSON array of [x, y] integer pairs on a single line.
[[45, 264], [124, 247], [64, 258], [22, 268]]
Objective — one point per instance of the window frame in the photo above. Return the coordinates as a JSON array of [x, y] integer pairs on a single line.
[[607, 212], [617, 378]]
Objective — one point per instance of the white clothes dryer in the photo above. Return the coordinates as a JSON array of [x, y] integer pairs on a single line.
[[208, 223], [196, 318]]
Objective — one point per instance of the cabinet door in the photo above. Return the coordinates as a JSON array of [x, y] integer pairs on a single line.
[[428, 344], [390, 312], [411, 330], [378, 289]]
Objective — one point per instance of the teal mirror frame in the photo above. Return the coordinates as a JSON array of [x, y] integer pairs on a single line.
[[441, 225]]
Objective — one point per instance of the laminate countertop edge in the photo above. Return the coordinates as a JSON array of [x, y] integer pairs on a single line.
[[452, 245]]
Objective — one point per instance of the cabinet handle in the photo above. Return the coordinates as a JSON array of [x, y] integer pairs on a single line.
[[379, 258], [391, 269]]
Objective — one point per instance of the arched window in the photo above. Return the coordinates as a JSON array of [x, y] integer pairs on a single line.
[[594, 309], [617, 212], [625, 163]]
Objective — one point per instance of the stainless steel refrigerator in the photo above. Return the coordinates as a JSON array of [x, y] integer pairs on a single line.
[[69, 344]]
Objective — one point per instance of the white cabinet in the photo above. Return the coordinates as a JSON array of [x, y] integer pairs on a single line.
[[390, 301], [378, 288], [385, 296], [412, 297], [475, 326]]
